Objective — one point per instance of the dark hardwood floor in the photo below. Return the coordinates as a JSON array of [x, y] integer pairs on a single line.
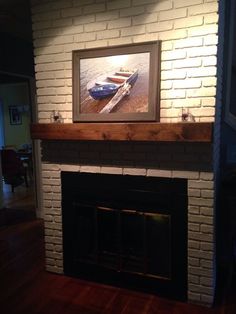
[[18, 206], [23, 197], [26, 288]]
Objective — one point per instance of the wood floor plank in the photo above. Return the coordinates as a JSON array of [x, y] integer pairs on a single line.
[[25, 287]]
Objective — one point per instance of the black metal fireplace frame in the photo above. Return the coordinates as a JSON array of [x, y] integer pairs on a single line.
[[166, 194]]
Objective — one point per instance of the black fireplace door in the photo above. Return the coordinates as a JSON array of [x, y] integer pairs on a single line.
[[126, 231]]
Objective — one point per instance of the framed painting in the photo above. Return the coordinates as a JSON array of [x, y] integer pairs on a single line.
[[15, 115], [117, 83]]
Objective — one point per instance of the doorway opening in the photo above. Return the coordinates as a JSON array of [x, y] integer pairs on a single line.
[[16, 92]]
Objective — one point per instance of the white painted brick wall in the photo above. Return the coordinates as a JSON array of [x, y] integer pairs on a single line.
[[188, 30]]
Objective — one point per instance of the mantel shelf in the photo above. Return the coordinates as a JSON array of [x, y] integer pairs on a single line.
[[150, 131]]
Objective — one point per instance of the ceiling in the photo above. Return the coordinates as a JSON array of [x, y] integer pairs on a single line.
[[16, 53], [15, 18]]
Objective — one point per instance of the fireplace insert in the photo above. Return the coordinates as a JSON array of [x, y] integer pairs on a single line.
[[128, 231]]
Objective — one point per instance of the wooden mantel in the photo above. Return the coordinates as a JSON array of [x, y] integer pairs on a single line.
[[150, 131]]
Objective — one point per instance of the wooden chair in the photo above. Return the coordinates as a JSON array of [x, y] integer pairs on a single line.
[[13, 170]]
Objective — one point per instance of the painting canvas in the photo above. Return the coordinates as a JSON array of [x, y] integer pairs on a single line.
[[116, 84], [15, 115]]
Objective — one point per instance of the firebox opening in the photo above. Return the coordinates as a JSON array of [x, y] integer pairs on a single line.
[[128, 231]]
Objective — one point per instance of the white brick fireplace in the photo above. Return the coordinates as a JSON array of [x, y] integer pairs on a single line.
[[192, 162], [188, 31]]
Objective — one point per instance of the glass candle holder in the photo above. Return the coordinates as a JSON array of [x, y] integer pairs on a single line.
[[56, 117], [186, 116]]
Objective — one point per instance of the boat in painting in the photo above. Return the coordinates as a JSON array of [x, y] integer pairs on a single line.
[[108, 85]]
